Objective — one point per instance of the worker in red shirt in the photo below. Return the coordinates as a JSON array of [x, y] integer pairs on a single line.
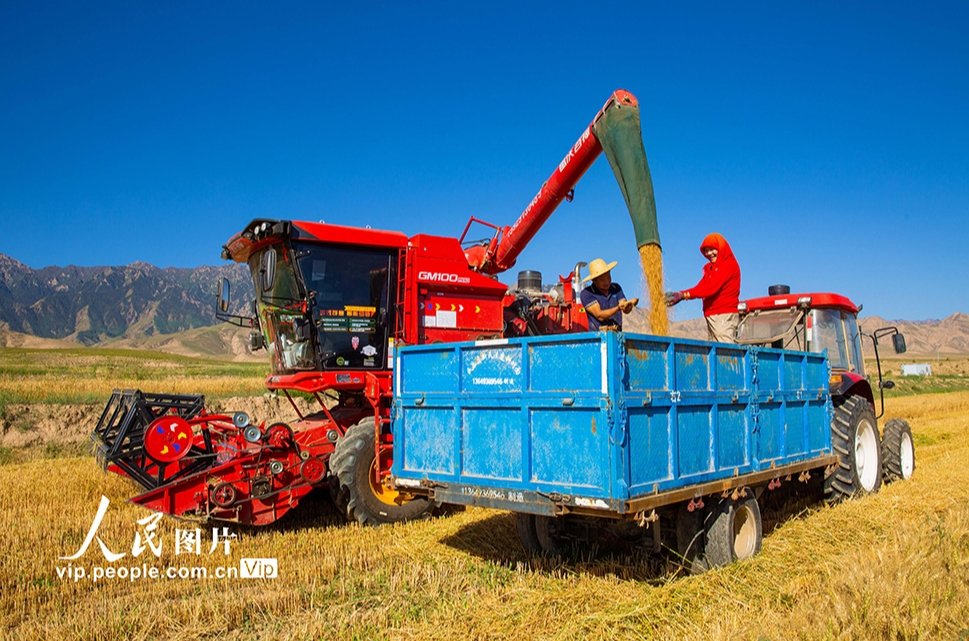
[[719, 288]]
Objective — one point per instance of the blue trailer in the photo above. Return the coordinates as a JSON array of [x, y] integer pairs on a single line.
[[641, 432]]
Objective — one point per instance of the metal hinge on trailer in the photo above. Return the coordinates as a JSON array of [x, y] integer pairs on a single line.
[[557, 497], [427, 484], [618, 428]]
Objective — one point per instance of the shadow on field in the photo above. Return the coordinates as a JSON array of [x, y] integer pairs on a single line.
[[314, 511], [495, 539]]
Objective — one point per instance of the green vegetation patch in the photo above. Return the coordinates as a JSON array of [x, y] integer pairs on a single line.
[[86, 375]]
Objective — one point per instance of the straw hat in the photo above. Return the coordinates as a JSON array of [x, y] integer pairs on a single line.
[[597, 268]]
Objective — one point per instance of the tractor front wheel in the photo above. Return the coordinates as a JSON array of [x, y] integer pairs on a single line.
[[854, 437], [356, 490], [898, 451]]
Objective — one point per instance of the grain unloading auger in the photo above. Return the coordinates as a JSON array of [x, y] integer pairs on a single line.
[[332, 302]]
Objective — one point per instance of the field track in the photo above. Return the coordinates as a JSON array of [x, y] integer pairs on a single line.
[[890, 566]]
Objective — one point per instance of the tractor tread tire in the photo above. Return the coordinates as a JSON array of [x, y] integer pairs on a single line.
[[350, 485], [843, 482], [894, 431]]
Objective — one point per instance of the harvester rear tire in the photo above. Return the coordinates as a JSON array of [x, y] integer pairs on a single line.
[[734, 531], [525, 524], [854, 436], [350, 466], [898, 451]]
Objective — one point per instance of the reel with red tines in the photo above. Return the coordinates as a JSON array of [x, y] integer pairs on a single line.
[[168, 439]]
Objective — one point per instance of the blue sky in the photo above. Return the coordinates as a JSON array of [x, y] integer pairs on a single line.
[[829, 145]]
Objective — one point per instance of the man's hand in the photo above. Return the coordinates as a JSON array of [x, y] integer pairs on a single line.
[[626, 306], [672, 298]]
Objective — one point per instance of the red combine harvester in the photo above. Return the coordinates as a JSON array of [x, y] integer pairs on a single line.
[[823, 321], [332, 302]]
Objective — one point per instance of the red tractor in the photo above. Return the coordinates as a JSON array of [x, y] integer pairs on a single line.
[[332, 303], [822, 321]]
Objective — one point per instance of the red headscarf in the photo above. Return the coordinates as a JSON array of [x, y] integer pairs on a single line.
[[720, 286]]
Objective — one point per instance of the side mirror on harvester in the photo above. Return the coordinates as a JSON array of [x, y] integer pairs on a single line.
[[222, 309], [256, 341], [224, 296], [268, 270], [898, 342]]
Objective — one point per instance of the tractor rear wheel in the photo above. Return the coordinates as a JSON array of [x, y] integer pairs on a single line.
[[898, 451], [854, 436], [734, 531], [355, 488]]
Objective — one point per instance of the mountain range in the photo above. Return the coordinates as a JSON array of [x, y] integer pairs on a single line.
[[927, 337], [91, 305], [173, 310]]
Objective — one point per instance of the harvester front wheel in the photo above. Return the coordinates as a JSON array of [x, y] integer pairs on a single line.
[[898, 451], [355, 488], [854, 436]]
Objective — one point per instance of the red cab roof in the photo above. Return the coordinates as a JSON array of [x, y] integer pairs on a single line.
[[345, 235], [818, 299], [249, 240]]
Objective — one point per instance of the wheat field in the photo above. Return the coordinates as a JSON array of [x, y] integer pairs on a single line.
[[85, 375], [894, 565]]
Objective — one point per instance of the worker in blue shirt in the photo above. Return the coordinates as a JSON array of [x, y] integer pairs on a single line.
[[604, 300]]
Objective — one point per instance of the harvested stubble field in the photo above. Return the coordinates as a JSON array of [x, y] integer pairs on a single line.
[[890, 566]]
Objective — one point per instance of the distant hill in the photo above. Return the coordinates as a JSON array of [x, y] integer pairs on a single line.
[[947, 336], [141, 306], [91, 305]]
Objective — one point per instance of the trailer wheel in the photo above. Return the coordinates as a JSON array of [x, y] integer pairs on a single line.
[[548, 530], [690, 539], [355, 490], [734, 531], [525, 524], [854, 436], [898, 451]]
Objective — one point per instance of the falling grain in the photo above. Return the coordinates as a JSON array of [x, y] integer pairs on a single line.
[[651, 257]]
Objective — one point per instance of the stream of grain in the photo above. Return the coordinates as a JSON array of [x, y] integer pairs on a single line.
[[651, 257]]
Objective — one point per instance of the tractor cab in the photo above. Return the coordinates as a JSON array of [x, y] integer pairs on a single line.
[[817, 322]]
